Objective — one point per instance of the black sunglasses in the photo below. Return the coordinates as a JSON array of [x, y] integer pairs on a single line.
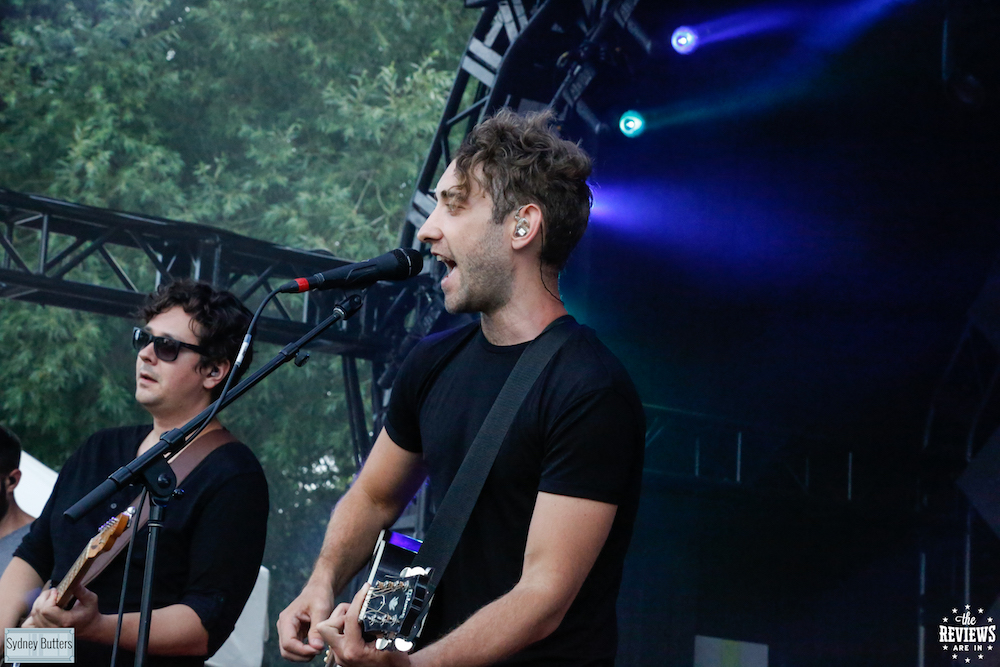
[[165, 349]]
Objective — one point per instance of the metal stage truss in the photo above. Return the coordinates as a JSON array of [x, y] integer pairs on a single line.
[[58, 253], [68, 255]]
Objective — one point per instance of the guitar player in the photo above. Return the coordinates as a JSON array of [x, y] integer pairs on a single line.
[[212, 541], [535, 575]]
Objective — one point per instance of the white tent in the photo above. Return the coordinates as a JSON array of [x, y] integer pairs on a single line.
[[244, 648], [36, 484]]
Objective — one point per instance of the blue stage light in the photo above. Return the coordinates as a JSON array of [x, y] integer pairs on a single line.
[[632, 123], [684, 40]]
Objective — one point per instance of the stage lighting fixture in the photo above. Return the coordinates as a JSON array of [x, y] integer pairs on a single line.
[[684, 40], [632, 124]]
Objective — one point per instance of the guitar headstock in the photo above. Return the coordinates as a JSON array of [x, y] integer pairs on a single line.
[[109, 533], [395, 608]]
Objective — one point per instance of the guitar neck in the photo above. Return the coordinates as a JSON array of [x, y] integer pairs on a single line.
[[64, 598], [103, 541]]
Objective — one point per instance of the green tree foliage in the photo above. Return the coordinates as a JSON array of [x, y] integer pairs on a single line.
[[301, 123]]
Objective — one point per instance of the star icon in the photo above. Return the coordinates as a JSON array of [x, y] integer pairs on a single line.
[[968, 660], [989, 620], [989, 647], [944, 620], [980, 656], [954, 656], [954, 611], [980, 610], [967, 606]]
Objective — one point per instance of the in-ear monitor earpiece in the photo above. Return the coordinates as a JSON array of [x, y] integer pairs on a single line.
[[523, 226]]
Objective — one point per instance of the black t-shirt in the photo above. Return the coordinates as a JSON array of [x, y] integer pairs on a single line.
[[580, 432], [209, 551]]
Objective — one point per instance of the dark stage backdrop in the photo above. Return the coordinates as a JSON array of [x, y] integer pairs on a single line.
[[792, 252]]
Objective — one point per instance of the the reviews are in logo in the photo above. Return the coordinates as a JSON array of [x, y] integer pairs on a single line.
[[967, 637]]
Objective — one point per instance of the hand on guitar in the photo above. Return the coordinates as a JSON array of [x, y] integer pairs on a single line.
[[342, 632], [83, 615], [298, 638]]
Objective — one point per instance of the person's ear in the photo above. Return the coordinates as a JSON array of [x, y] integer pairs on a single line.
[[13, 479], [527, 224], [215, 374]]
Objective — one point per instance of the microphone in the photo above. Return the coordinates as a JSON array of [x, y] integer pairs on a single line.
[[400, 264]]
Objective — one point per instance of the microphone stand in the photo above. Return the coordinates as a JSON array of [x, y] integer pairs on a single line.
[[153, 471]]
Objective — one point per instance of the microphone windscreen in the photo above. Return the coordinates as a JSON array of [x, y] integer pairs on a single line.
[[410, 263]]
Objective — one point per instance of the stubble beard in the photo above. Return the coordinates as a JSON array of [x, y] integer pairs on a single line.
[[487, 280], [144, 397]]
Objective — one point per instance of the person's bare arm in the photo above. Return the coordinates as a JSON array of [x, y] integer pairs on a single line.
[[173, 630], [387, 482], [18, 587], [564, 539]]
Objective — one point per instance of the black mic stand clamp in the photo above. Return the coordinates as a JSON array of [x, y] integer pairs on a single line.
[[152, 470]]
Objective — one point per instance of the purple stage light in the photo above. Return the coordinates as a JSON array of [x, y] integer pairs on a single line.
[[684, 40], [644, 209], [698, 221], [827, 26], [823, 32]]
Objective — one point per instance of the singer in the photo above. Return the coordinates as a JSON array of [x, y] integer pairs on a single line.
[[212, 541], [536, 573]]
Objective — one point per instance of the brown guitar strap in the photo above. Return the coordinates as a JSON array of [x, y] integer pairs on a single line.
[[183, 463]]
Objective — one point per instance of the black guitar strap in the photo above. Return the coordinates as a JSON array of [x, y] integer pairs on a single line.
[[451, 517]]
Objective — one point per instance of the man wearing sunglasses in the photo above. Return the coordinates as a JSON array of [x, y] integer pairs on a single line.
[[212, 542]]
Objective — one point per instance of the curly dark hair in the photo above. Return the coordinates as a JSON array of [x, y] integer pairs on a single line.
[[10, 451], [523, 160], [223, 319]]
